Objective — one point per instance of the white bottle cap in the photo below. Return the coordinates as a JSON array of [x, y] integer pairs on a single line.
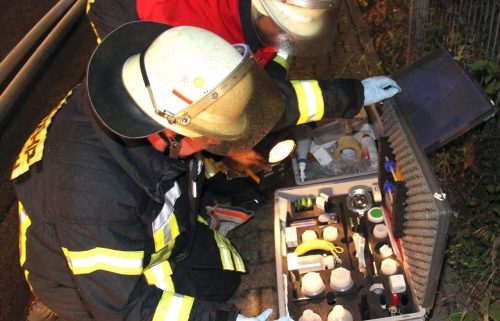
[[389, 266], [312, 284], [340, 279], [380, 231], [309, 315], [339, 314], [330, 233], [309, 235], [385, 251]]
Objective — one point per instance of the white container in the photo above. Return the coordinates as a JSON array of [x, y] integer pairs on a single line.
[[310, 315], [312, 284], [339, 313], [389, 266], [380, 231], [340, 279], [309, 235], [330, 233]]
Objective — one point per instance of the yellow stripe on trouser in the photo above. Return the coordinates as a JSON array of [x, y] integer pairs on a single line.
[[120, 262], [229, 254], [309, 99], [159, 275], [173, 307]]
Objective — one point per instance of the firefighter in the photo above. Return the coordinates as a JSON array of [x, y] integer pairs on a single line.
[[275, 31], [110, 228]]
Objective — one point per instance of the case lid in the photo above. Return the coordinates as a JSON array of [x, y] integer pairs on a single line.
[[425, 209], [440, 100]]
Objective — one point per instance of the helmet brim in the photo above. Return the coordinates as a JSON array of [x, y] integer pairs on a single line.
[[109, 99]]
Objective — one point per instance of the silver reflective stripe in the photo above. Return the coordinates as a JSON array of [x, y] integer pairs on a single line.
[[162, 231]]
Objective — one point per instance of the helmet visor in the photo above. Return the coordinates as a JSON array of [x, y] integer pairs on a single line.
[[239, 112]]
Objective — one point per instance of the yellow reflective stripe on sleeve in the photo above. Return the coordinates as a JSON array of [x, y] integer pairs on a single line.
[[230, 258], [32, 150], [26, 277], [89, 3], [225, 253], [165, 226], [283, 59], [87, 10], [238, 261], [24, 224], [173, 307], [120, 262], [309, 100], [202, 220], [159, 275], [166, 234], [162, 255]]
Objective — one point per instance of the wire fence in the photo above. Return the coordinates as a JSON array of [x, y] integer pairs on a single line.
[[470, 29]]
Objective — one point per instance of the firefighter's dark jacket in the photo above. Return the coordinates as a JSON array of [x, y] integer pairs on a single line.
[[103, 221], [306, 100]]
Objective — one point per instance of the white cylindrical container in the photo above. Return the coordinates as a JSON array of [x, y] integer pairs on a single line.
[[389, 266], [312, 284], [339, 313], [385, 251], [330, 233], [310, 315], [309, 235], [380, 231], [340, 279]]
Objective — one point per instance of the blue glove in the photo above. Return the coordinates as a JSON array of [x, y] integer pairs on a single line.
[[262, 317], [379, 88]]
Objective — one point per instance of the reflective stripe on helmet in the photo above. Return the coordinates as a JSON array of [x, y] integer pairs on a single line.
[[309, 99]]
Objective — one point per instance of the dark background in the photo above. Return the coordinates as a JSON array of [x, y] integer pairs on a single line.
[[64, 70]]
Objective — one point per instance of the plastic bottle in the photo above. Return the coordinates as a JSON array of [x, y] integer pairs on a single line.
[[310, 315], [365, 137], [303, 136], [339, 313]]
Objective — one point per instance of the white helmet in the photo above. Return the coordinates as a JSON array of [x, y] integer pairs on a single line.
[[189, 80], [297, 27]]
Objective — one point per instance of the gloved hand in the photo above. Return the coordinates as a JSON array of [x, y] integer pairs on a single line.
[[262, 317], [379, 88]]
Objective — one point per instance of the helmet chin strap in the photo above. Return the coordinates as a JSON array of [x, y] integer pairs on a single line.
[[173, 144]]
